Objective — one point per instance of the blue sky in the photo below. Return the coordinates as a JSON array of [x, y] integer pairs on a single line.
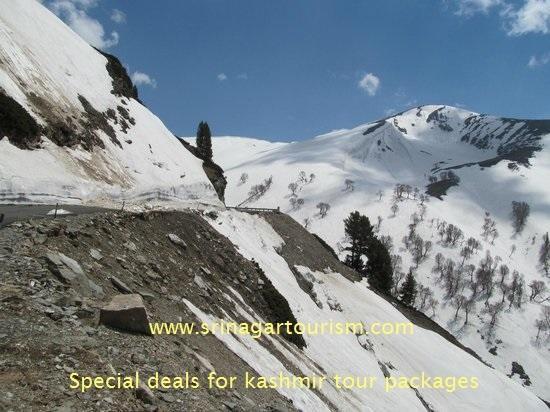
[[292, 69]]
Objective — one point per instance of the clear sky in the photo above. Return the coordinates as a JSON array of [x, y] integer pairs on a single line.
[[293, 69]]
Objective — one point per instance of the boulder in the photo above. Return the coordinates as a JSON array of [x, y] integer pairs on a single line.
[[68, 271], [96, 254], [175, 239], [126, 312], [120, 285]]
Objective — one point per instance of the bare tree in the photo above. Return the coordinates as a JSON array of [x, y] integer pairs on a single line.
[[378, 223], [469, 305], [394, 209], [493, 310], [293, 187], [520, 213], [349, 185], [472, 246], [311, 177], [420, 249], [485, 275], [302, 177], [379, 194], [544, 254], [453, 234], [307, 222], [399, 191], [259, 190], [538, 287], [243, 179], [457, 302], [398, 276], [516, 290], [543, 322], [323, 209], [387, 241], [423, 297], [489, 231], [296, 203], [396, 262]]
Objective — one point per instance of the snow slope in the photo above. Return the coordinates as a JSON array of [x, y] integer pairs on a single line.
[[48, 72], [497, 160], [354, 355]]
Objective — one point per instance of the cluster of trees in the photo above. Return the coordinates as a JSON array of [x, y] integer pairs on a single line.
[[259, 190], [363, 244], [403, 192], [418, 247], [410, 291], [449, 234], [465, 285], [295, 187]]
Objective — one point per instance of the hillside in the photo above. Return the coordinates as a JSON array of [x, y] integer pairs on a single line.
[[61, 274], [72, 127], [493, 162]]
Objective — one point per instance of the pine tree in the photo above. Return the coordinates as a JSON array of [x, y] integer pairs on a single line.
[[408, 290], [204, 141], [379, 266], [359, 232]]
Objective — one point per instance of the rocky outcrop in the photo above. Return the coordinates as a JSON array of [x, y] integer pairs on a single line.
[[17, 124], [213, 171]]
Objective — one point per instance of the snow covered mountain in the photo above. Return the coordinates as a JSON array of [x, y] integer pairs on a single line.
[[492, 161], [73, 129]]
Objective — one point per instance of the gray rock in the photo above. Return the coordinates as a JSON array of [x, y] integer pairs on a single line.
[[96, 254], [141, 259], [152, 275], [206, 271], [148, 296], [131, 246], [68, 271], [230, 405], [199, 281], [175, 239], [120, 285], [145, 394], [126, 312], [138, 359]]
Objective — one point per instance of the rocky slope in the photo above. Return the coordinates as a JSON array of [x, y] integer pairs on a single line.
[[60, 274]]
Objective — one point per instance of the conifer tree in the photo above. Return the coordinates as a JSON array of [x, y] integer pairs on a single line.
[[379, 267], [408, 290], [204, 141], [360, 233]]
